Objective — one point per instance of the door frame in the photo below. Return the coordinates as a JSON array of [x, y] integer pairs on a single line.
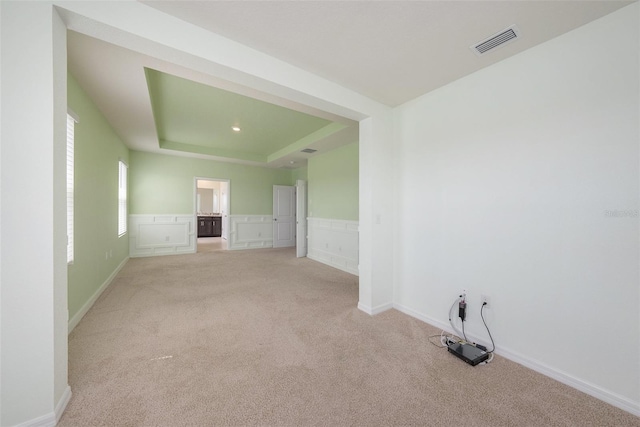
[[301, 218], [195, 203]]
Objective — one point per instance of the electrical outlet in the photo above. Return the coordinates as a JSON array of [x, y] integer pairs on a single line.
[[464, 293], [486, 301]]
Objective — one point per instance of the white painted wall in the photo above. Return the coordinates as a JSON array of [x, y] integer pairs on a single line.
[[205, 183], [33, 249], [206, 190], [1, 131], [377, 214], [61, 388], [521, 182]]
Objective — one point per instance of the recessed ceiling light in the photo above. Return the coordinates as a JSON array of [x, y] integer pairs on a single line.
[[235, 128]]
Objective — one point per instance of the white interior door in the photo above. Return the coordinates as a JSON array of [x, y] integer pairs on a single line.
[[301, 218], [284, 216]]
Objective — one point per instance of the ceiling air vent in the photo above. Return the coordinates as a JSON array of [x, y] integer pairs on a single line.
[[500, 39], [308, 150]]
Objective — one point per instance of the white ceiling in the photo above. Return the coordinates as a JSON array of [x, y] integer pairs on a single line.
[[389, 51]]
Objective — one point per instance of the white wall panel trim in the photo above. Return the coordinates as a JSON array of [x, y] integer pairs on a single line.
[[334, 242], [151, 235], [250, 231]]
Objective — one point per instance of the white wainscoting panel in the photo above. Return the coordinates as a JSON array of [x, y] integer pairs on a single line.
[[334, 242], [250, 231], [151, 235]]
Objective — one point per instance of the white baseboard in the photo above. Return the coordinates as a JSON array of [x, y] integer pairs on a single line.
[[48, 420], [611, 398], [365, 308], [607, 396], [62, 403], [374, 310], [52, 418], [73, 322], [329, 261]]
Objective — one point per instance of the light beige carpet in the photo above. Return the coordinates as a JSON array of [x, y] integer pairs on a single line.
[[261, 338]]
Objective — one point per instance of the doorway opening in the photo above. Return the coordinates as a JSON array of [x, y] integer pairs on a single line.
[[290, 217], [212, 207]]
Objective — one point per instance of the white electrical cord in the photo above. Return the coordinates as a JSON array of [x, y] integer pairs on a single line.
[[488, 360], [444, 339]]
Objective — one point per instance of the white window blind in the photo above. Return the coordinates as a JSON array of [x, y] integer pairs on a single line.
[[122, 198], [70, 186]]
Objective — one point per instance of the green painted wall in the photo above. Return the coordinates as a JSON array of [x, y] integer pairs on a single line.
[[97, 151], [300, 173], [162, 184], [333, 184]]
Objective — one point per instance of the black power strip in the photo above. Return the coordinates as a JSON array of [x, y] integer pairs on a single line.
[[469, 353]]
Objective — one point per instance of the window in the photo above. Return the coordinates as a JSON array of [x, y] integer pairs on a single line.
[[122, 198], [71, 121]]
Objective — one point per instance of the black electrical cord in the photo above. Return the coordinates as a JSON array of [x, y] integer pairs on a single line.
[[457, 301], [485, 325]]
